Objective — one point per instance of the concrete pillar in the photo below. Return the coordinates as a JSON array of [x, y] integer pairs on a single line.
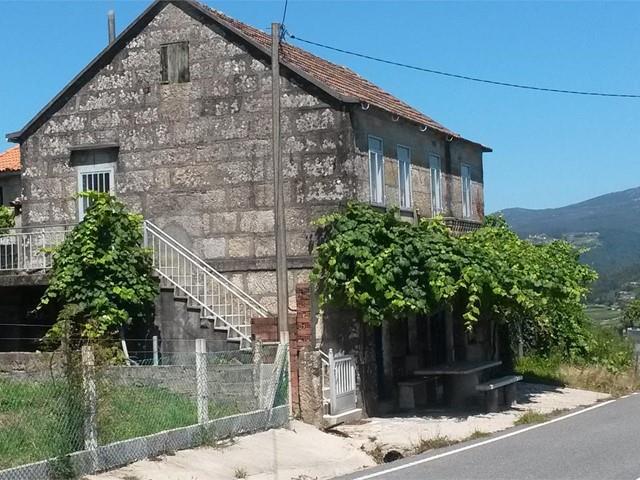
[[387, 358]]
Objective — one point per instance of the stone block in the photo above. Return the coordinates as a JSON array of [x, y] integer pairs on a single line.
[[214, 247], [266, 246], [225, 222], [45, 188], [134, 182], [241, 246], [257, 221], [261, 283], [321, 119]]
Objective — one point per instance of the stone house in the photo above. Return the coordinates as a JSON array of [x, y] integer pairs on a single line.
[[10, 167], [174, 118]]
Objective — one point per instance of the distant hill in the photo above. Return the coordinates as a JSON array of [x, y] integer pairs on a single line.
[[609, 225]]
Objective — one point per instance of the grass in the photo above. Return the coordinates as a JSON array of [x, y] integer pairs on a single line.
[[476, 434], [43, 420], [426, 444], [531, 417], [603, 315], [553, 370], [240, 473]]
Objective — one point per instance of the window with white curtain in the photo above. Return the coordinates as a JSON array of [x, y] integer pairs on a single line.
[[435, 168], [376, 170], [404, 176], [465, 174]]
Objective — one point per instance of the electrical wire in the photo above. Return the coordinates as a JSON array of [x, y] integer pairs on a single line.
[[463, 77], [283, 31]]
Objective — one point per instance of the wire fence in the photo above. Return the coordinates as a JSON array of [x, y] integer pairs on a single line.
[[70, 422]]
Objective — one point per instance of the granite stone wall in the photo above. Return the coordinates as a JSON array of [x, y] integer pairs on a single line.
[[195, 158]]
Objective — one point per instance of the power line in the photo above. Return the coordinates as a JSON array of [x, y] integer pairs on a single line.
[[284, 17], [463, 77]]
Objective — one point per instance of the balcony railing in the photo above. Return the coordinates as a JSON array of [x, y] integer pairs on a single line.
[[461, 226], [24, 249]]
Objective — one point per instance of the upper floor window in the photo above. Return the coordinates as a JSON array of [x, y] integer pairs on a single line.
[[435, 168], [96, 169], [174, 62], [465, 174], [404, 176], [376, 170]]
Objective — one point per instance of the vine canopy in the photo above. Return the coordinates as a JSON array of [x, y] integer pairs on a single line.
[[387, 268]]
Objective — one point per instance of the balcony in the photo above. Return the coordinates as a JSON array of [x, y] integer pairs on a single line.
[[23, 250], [459, 226]]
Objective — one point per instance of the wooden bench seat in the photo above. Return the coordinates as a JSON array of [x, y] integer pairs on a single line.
[[492, 390]]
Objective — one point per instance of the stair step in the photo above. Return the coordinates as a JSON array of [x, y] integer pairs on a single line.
[[344, 417]]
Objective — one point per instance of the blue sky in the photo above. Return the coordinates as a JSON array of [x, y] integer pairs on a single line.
[[549, 149]]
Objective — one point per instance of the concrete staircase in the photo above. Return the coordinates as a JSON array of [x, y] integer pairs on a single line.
[[200, 296]]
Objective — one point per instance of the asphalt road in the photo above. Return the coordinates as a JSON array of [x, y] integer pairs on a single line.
[[599, 443]]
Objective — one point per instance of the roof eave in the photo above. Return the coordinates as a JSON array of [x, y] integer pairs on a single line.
[[120, 40]]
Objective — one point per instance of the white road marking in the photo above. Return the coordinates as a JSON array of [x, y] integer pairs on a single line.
[[484, 442]]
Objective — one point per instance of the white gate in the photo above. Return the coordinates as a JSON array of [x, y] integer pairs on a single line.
[[339, 371]]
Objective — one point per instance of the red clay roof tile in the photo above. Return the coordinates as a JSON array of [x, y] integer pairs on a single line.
[[10, 160], [340, 79]]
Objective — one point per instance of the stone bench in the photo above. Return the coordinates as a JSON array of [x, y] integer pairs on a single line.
[[413, 393], [493, 388]]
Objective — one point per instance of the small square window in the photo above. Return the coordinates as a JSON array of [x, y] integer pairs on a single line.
[[174, 62]]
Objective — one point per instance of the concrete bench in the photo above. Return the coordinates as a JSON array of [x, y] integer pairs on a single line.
[[412, 394], [492, 390]]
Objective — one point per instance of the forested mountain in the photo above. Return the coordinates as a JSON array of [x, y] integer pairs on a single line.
[[609, 225]]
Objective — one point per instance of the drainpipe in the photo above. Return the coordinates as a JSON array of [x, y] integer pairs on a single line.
[[111, 24]]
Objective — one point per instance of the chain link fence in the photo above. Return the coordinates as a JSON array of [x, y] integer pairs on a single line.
[[58, 424]]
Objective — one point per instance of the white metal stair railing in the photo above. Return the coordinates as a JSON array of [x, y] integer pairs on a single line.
[[339, 371], [222, 302], [23, 249]]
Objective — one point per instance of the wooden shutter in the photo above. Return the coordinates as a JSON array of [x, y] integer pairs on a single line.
[[174, 62]]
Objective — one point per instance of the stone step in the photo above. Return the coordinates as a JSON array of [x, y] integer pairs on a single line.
[[349, 416]]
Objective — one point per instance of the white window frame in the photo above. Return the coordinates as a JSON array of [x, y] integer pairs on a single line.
[[435, 175], [379, 172], [98, 168], [404, 190], [465, 180]]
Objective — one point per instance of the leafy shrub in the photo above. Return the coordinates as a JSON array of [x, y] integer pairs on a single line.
[[7, 219], [102, 269]]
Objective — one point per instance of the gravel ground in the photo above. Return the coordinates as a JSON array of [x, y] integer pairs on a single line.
[[306, 453], [405, 432], [301, 453]]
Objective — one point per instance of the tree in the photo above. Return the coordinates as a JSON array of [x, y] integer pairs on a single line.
[[103, 270], [631, 316]]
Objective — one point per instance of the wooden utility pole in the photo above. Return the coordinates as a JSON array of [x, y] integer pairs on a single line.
[[278, 193]]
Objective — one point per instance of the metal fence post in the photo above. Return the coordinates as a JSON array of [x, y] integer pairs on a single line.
[[257, 371], [332, 381], [201, 380], [90, 404], [155, 350]]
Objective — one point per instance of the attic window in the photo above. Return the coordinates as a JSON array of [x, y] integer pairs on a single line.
[[174, 62]]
